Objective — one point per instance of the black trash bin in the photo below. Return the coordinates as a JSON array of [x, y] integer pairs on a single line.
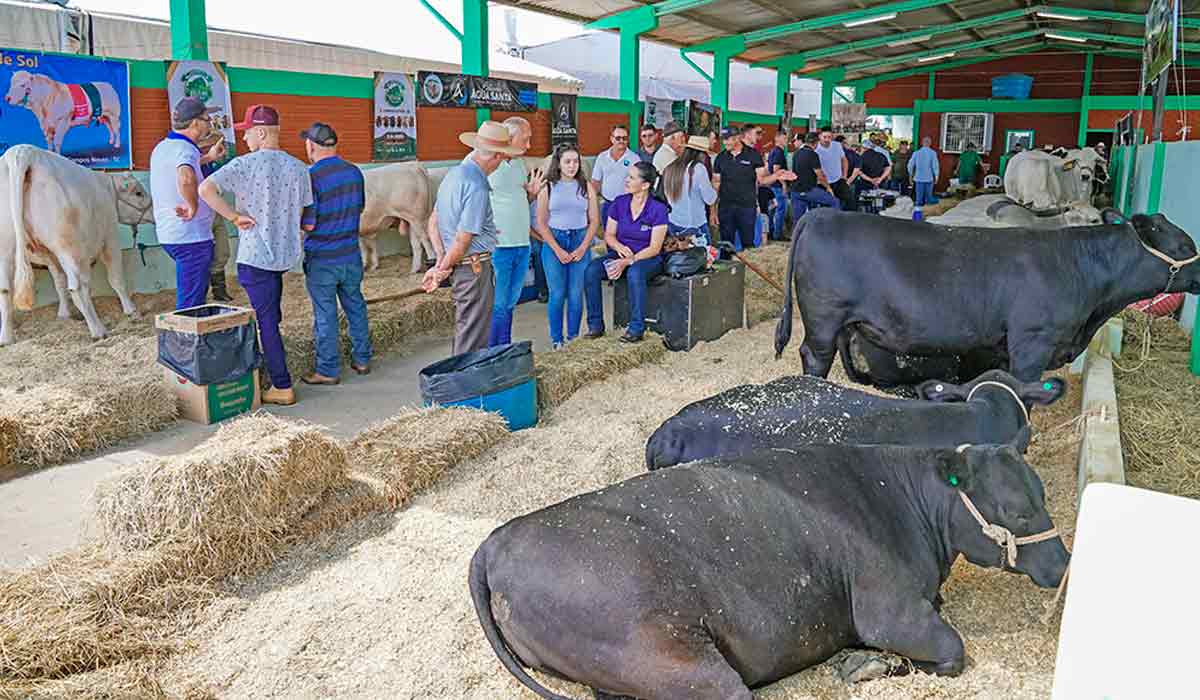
[[210, 344]]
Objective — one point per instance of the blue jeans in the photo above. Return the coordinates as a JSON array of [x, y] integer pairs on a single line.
[[565, 284], [816, 197], [779, 220], [511, 264], [737, 225], [636, 276], [329, 283], [192, 261], [699, 233], [539, 270], [265, 289], [924, 193]]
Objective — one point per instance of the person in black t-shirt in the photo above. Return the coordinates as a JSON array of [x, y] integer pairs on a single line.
[[737, 173], [810, 187], [777, 161]]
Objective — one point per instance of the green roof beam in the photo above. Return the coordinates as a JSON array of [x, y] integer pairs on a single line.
[[1114, 39], [636, 15], [947, 65], [1128, 17], [953, 48], [442, 19]]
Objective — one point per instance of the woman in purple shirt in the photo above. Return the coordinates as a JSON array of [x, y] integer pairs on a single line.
[[634, 233]]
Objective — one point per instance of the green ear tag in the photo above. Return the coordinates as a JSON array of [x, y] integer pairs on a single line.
[[953, 480], [1048, 386]]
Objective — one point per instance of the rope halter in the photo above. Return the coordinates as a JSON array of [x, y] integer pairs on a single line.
[[1176, 265], [1002, 536], [1009, 389]]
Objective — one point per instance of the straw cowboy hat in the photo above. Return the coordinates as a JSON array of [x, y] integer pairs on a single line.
[[492, 136], [698, 143]]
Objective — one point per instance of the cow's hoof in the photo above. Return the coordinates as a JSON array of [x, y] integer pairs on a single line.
[[859, 666]]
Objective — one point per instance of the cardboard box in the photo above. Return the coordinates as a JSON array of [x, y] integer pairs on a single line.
[[213, 403], [208, 318]]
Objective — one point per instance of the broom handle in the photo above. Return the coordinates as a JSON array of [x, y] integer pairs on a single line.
[[394, 297], [759, 272]]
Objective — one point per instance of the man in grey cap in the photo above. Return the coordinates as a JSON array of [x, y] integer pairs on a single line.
[[183, 220], [674, 139]]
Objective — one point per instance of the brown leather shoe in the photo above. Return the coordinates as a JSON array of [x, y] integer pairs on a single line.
[[279, 397], [318, 379], [361, 369]]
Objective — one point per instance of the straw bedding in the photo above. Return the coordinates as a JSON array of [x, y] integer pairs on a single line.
[[389, 614], [1158, 395], [561, 373], [763, 301]]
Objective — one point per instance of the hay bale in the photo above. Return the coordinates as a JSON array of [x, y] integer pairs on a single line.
[[561, 373], [136, 680], [763, 301], [10, 433], [230, 501], [91, 608], [409, 452]]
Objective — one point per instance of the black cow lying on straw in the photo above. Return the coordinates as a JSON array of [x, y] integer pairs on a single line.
[[705, 580], [801, 410]]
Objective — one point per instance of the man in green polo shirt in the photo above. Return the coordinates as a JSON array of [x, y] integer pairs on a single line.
[[968, 166]]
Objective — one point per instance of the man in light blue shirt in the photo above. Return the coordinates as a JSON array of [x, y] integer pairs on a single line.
[[464, 222], [923, 169], [835, 166], [611, 168]]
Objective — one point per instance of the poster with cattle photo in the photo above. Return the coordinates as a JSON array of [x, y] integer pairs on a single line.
[[395, 118], [209, 83], [702, 118], [77, 107]]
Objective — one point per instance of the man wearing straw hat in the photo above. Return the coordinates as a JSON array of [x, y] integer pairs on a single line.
[[468, 234]]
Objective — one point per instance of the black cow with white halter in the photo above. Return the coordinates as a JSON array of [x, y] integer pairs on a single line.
[[1033, 297]]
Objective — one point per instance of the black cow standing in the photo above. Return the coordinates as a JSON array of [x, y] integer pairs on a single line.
[[913, 288], [703, 581], [792, 411]]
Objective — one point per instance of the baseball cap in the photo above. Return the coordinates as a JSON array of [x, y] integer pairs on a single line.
[[190, 108], [321, 134], [730, 132], [672, 127], [258, 115]]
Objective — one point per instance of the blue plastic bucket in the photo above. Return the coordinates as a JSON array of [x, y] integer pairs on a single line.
[[518, 404]]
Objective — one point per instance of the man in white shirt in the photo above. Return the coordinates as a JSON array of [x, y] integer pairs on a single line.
[[612, 165], [672, 147], [182, 221], [272, 190]]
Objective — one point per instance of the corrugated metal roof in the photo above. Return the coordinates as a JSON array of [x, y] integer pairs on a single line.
[[729, 17]]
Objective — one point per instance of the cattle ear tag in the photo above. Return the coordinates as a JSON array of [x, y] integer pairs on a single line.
[[1048, 386], [953, 480]]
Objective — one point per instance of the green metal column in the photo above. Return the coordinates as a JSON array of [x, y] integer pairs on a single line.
[[829, 81], [932, 82], [475, 46], [1083, 100], [723, 52], [189, 31], [631, 25]]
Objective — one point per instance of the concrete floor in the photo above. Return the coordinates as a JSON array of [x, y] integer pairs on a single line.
[[43, 513]]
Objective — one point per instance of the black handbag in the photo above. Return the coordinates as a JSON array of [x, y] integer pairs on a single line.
[[685, 263]]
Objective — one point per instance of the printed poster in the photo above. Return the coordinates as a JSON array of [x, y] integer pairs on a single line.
[[77, 107], [1161, 36], [208, 82], [564, 126], [702, 118], [850, 118], [437, 89], [658, 112], [395, 118]]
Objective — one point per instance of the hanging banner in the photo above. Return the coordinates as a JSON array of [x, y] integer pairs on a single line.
[[658, 111], [702, 118], [468, 91], [850, 118], [77, 107], [209, 83], [395, 118], [1160, 39], [789, 106], [564, 127]]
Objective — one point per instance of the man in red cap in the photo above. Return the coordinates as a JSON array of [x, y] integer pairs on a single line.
[[272, 189]]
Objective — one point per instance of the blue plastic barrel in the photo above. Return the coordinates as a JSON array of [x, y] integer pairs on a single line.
[[1014, 86], [499, 380]]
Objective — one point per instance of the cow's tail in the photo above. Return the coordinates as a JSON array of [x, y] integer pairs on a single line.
[[19, 160], [783, 329], [481, 595]]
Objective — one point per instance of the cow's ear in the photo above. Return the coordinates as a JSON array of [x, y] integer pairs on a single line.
[[1111, 216], [943, 392], [1070, 164], [954, 467], [1045, 392]]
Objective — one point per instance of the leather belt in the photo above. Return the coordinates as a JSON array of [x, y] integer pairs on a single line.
[[475, 261]]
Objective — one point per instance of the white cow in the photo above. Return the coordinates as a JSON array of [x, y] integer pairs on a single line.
[[63, 216], [397, 196], [61, 106], [998, 211], [1046, 182]]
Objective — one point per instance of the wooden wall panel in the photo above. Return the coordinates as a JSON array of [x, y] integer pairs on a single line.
[[595, 130], [1058, 75], [899, 93], [540, 121], [437, 132], [151, 122], [352, 119]]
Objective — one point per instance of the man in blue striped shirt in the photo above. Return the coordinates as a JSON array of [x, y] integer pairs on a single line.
[[332, 264]]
